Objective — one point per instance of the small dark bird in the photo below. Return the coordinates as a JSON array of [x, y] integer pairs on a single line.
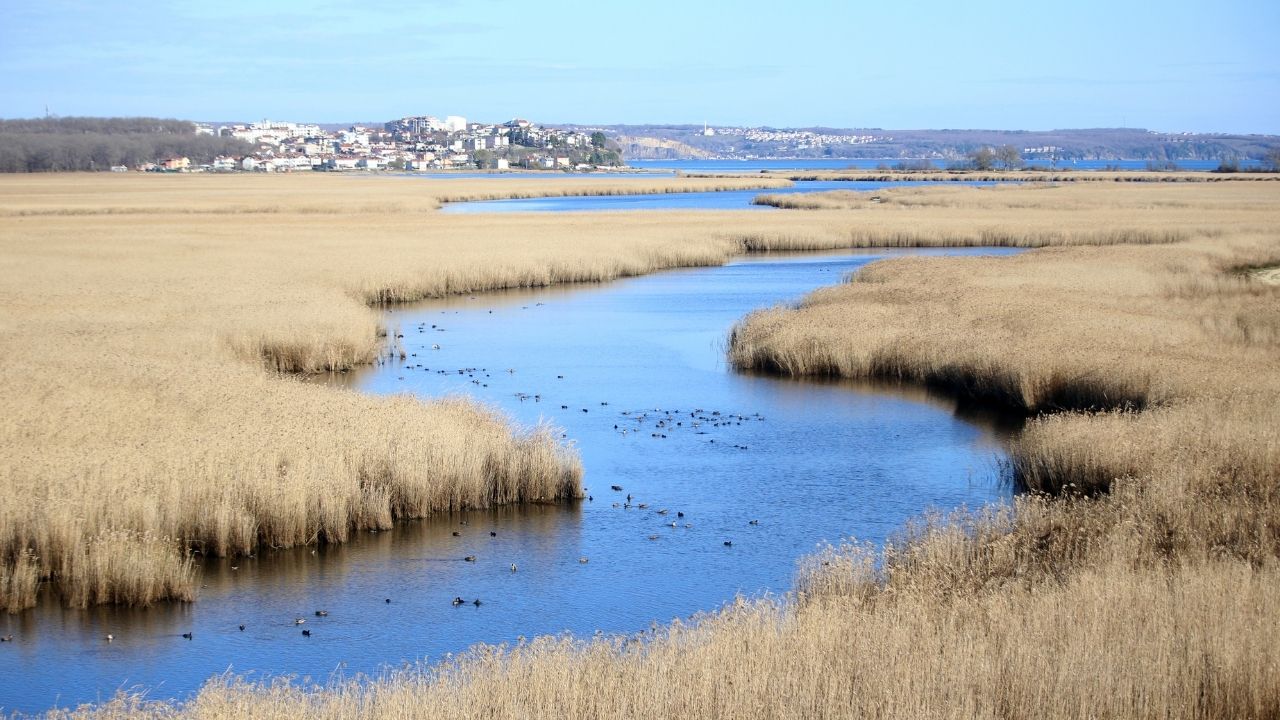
[[590, 498], [388, 601], [476, 602], [241, 627], [513, 567], [728, 543], [470, 558], [306, 633], [322, 613], [679, 514], [617, 488], [458, 601], [493, 534], [187, 635], [457, 534]]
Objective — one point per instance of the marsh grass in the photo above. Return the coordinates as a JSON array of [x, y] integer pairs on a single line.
[[1137, 582]]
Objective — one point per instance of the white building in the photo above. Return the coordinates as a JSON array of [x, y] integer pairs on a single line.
[[456, 123]]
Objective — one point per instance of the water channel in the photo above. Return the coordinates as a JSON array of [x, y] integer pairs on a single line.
[[633, 372]]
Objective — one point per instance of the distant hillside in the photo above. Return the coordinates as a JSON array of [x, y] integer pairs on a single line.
[[689, 141], [81, 143], [654, 148]]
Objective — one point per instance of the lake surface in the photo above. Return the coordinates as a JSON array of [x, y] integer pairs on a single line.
[[782, 165], [721, 200], [633, 371]]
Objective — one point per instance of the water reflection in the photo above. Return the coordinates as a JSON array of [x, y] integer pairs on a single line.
[[634, 373]]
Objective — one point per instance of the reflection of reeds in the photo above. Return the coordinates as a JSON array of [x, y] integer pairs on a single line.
[[946, 629]]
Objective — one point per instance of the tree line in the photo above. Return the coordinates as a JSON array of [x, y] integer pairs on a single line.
[[67, 144]]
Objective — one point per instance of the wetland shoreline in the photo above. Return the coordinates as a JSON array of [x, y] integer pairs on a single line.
[[1059, 552]]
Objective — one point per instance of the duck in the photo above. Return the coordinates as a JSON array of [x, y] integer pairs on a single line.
[[241, 627], [306, 633], [458, 601], [457, 534], [476, 602], [322, 613], [493, 534], [728, 543], [470, 558], [582, 560], [513, 567], [188, 635]]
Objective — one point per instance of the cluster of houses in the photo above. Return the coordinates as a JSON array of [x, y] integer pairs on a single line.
[[410, 143], [797, 139]]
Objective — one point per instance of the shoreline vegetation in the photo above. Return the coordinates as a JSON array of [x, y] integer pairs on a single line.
[[1137, 585], [155, 320]]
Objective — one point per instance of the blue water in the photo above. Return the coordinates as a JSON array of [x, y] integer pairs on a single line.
[[723, 200], [755, 166], [634, 374]]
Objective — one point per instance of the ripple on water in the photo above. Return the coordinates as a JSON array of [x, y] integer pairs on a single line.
[[785, 465]]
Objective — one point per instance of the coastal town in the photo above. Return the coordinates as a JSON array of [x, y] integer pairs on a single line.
[[417, 143]]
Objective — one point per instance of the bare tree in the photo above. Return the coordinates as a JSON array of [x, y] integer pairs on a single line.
[[1009, 157]]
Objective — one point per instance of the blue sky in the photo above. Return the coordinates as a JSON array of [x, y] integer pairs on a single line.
[[1197, 66]]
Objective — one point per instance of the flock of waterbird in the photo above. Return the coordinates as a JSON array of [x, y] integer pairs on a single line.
[[659, 424]]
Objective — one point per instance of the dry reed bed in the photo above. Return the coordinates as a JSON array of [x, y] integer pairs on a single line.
[[138, 417], [244, 195], [1119, 643], [1152, 600]]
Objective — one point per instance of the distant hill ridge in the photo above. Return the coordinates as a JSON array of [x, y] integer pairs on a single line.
[[668, 142]]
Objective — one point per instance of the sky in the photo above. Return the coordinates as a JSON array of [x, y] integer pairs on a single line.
[[1171, 66]]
